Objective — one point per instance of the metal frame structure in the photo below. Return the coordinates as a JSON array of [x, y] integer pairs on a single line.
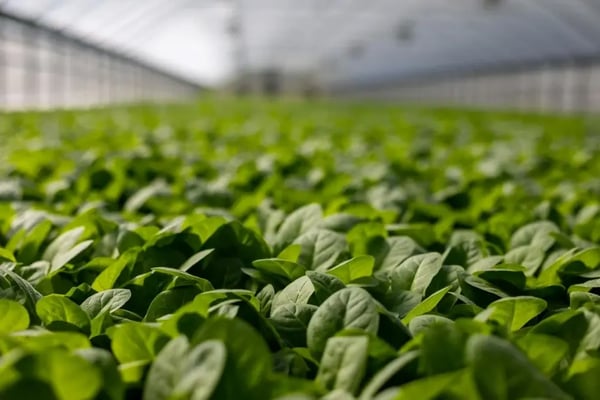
[[43, 67]]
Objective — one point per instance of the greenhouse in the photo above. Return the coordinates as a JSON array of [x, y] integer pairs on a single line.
[[299, 199]]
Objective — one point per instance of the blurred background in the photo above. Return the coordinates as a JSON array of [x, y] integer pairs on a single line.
[[536, 55]]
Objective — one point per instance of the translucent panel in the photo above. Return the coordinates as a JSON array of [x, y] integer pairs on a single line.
[[344, 42]]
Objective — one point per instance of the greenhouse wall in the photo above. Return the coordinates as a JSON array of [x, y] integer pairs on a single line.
[[42, 68], [566, 88]]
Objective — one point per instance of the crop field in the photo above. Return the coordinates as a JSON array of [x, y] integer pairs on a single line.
[[242, 249]]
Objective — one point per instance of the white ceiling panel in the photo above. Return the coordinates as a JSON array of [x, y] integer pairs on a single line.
[[343, 41]]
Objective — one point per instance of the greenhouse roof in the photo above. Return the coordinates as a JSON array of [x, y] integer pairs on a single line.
[[342, 41]]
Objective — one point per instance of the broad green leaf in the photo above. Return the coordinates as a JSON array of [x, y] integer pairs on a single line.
[[398, 249], [63, 243], [343, 363], [106, 301], [290, 253], [63, 257], [514, 312], [324, 285], [442, 348], [20, 290], [184, 279], [6, 255], [416, 272], [297, 223], [321, 249], [428, 388], [41, 340], [589, 257], [353, 269], [169, 301], [530, 256], [14, 316], [56, 309], [139, 198], [291, 322], [545, 352], [501, 371], [279, 267], [248, 364], [181, 371], [582, 380], [426, 305], [422, 322], [112, 385], [195, 259], [350, 308], [70, 376], [536, 234], [297, 292], [386, 373], [135, 342], [109, 277]]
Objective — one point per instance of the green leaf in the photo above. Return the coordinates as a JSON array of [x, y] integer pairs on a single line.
[[183, 372], [514, 312], [343, 364], [398, 249], [21, 291], [531, 257], [136, 342], [69, 375], [378, 381], [545, 352], [29, 247], [324, 285], [297, 223], [297, 292], [350, 308], [279, 267], [426, 305], [185, 279], [428, 388], [56, 309], [416, 272], [63, 257], [248, 364], [63, 243], [442, 348], [353, 269], [106, 301], [112, 385], [195, 259], [503, 372], [321, 249], [422, 322], [290, 253], [169, 301], [139, 198], [14, 316], [109, 277], [6, 255], [41, 340], [582, 380], [589, 257], [291, 322], [537, 234]]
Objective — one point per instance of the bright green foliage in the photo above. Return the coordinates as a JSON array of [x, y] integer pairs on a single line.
[[254, 250]]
